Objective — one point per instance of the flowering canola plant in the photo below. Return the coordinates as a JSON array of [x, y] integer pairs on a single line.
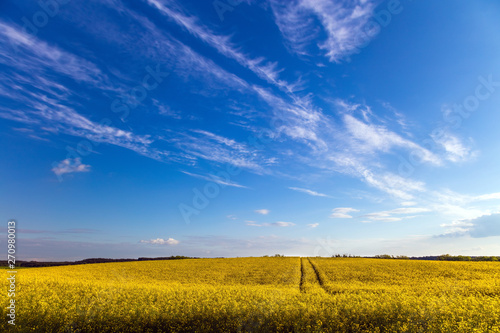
[[287, 294]]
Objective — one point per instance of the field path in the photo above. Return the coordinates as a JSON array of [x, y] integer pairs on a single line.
[[310, 280], [302, 277], [316, 273]]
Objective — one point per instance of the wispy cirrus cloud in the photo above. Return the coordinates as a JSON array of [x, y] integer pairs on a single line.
[[283, 224], [215, 179], [296, 25], [58, 117], [33, 56], [367, 137], [342, 213], [274, 224], [343, 22], [446, 196], [455, 149], [395, 215], [64, 231], [310, 192], [409, 203], [388, 182], [263, 211], [300, 120], [212, 147], [460, 209], [40, 99], [161, 241], [70, 165], [144, 40], [253, 224], [490, 196], [265, 70], [487, 225]]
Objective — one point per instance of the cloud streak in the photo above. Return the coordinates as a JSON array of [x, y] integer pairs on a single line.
[[310, 192], [395, 215], [161, 241], [263, 69], [280, 224], [487, 225], [342, 213], [70, 165], [215, 179], [343, 22]]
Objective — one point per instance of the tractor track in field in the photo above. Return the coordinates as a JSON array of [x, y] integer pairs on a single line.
[[307, 277], [301, 284], [318, 278]]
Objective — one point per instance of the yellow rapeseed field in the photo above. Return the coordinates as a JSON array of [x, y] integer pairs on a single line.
[[288, 294]]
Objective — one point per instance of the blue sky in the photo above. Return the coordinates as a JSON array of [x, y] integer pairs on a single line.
[[244, 128]]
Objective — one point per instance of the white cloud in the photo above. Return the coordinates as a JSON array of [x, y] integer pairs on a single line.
[[409, 210], [313, 225], [491, 196], [401, 214], [301, 120], [385, 219], [455, 149], [368, 137], [390, 183], [253, 224], [232, 217], [408, 203], [342, 213], [275, 224], [160, 241], [458, 207], [486, 225], [35, 55], [345, 25], [283, 224], [394, 184], [262, 211], [297, 28], [450, 197], [70, 165], [264, 69], [310, 192], [166, 110], [215, 179], [47, 103], [213, 147]]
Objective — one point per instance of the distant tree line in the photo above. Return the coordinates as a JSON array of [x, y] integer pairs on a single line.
[[20, 263], [388, 256], [467, 258], [338, 255], [445, 257]]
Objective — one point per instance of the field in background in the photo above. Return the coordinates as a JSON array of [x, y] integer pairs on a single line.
[[259, 295]]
